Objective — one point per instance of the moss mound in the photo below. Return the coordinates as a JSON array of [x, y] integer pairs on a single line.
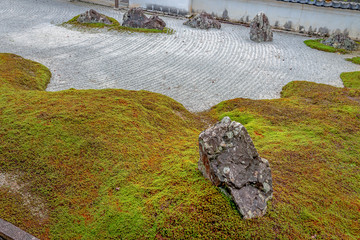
[[23, 74], [110, 164], [115, 26]]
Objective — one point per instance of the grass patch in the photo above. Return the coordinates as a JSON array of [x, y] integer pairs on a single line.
[[115, 26], [355, 60], [116, 164], [351, 79], [316, 44]]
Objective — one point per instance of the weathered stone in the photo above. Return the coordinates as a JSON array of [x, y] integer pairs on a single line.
[[260, 29], [203, 21], [341, 40], [228, 158], [93, 16], [154, 22], [135, 18]]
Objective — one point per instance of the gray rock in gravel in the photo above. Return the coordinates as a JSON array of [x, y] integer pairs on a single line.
[[93, 16], [341, 40], [260, 29], [228, 158], [203, 21], [135, 18]]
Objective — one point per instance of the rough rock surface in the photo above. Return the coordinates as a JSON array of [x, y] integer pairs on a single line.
[[341, 40], [93, 16], [154, 22], [229, 159], [260, 29], [136, 18], [203, 21]]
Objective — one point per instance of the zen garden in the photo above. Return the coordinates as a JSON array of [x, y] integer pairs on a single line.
[[153, 121]]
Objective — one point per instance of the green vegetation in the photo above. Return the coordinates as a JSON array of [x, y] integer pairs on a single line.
[[316, 44], [115, 26], [355, 60], [351, 79], [116, 164]]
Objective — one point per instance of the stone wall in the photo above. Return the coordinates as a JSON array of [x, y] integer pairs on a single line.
[[286, 15]]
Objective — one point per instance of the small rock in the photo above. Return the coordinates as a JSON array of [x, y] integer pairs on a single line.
[[93, 16], [260, 29], [203, 21], [228, 158]]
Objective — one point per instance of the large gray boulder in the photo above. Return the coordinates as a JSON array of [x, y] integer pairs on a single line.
[[260, 29], [341, 40], [135, 18], [93, 16], [203, 21], [228, 158]]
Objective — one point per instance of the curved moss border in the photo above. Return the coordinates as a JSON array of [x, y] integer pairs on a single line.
[[316, 44], [116, 26], [355, 60], [351, 79]]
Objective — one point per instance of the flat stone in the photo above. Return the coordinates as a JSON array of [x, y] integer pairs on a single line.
[[10, 231]]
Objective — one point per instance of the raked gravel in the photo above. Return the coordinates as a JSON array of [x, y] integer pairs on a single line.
[[198, 68]]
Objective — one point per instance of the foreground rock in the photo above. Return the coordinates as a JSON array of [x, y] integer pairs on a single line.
[[135, 18], [203, 21], [229, 159], [260, 29], [93, 16], [341, 40]]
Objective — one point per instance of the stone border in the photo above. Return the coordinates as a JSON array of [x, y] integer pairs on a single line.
[[9, 231]]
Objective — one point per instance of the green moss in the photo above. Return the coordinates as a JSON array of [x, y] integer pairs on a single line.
[[355, 60], [316, 44], [116, 164], [115, 26], [22, 73], [351, 79]]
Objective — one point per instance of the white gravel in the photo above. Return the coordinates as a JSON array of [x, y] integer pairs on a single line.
[[198, 68]]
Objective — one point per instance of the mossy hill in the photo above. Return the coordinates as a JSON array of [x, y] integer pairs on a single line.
[[115, 26], [116, 164]]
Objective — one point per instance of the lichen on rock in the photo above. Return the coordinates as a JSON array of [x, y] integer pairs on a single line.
[[228, 158], [260, 29]]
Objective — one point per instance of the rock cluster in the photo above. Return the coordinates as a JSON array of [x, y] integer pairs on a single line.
[[203, 21], [135, 18], [228, 158], [93, 16], [341, 40], [260, 29]]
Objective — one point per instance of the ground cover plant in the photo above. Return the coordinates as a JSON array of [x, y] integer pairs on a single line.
[[351, 79], [116, 164], [115, 26], [316, 44], [355, 60]]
